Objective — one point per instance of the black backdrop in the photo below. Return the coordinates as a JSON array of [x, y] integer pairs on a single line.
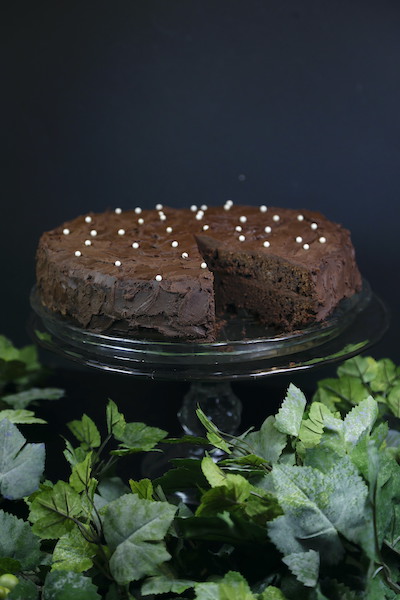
[[126, 103]]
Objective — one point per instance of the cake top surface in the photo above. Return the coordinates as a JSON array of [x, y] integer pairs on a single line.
[[161, 242]]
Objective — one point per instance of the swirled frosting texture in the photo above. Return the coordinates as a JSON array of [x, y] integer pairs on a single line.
[[161, 272]]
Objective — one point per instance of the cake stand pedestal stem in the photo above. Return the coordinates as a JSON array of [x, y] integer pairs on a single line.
[[219, 403]]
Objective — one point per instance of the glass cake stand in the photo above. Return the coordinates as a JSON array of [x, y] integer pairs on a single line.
[[244, 350]]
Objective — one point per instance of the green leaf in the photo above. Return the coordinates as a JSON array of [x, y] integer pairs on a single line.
[[268, 442], [213, 434], [272, 593], [385, 376], [85, 432], [312, 428], [162, 584], [7, 350], [9, 565], [23, 399], [317, 507], [359, 367], [138, 437], [288, 419], [73, 552], [20, 416], [24, 590], [143, 488], [214, 475], [18, 542], [393, 400], [226, 497], [186, 474], [80, 478], [232, 586], [360, 420], [305, 566], [341, 393], [115, 420], [53, 511], [21, 464], [67, 585], [134, 529]]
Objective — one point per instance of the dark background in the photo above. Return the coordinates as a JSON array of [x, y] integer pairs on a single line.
[[126, 103]]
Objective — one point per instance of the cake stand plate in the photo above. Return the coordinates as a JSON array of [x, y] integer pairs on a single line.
[[244, 350]]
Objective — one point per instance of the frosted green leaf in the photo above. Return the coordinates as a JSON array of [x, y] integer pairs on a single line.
[[288, 419], [318, 506], [18, 541], [305, 566], [135, 529], [360, 420], [67, 585], [85, 432], [268, 442], [21, 464], [20, 416], [73, 552], [23, 399], [52, 511], [162, 584]]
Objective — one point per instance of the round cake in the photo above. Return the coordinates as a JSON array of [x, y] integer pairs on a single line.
[[170, 273]]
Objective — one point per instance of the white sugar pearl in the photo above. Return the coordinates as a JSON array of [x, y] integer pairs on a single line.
[[322, 240], [158, 278], [193, 208], [203, 265], [135, 245], [93, 233], [306, 246], [299, 239], [169, 230], [174, 244], [88, 243], [243, 219], [314, 226], [78, 253], [163, 217], [118, 211], [159, 206], [138, 210], [242, 238], [199, 216], [185, 255], [88, 219], [266, 244], [204, 207], [117, 263], [268, 229], [205, 227], [121, 231], [66, 231], [300, 218], [229, 203], [238, 228], [263, 208], [140, 221], [276, 218]]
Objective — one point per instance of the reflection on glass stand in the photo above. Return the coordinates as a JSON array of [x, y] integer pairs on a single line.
[[243, 351]]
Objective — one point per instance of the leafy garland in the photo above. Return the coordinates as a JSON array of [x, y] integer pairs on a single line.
[[307, 507]]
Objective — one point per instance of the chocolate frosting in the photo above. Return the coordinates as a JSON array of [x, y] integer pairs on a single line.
[[151, 271]]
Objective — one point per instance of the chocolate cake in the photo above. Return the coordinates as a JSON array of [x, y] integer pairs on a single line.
[[171, 272]]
